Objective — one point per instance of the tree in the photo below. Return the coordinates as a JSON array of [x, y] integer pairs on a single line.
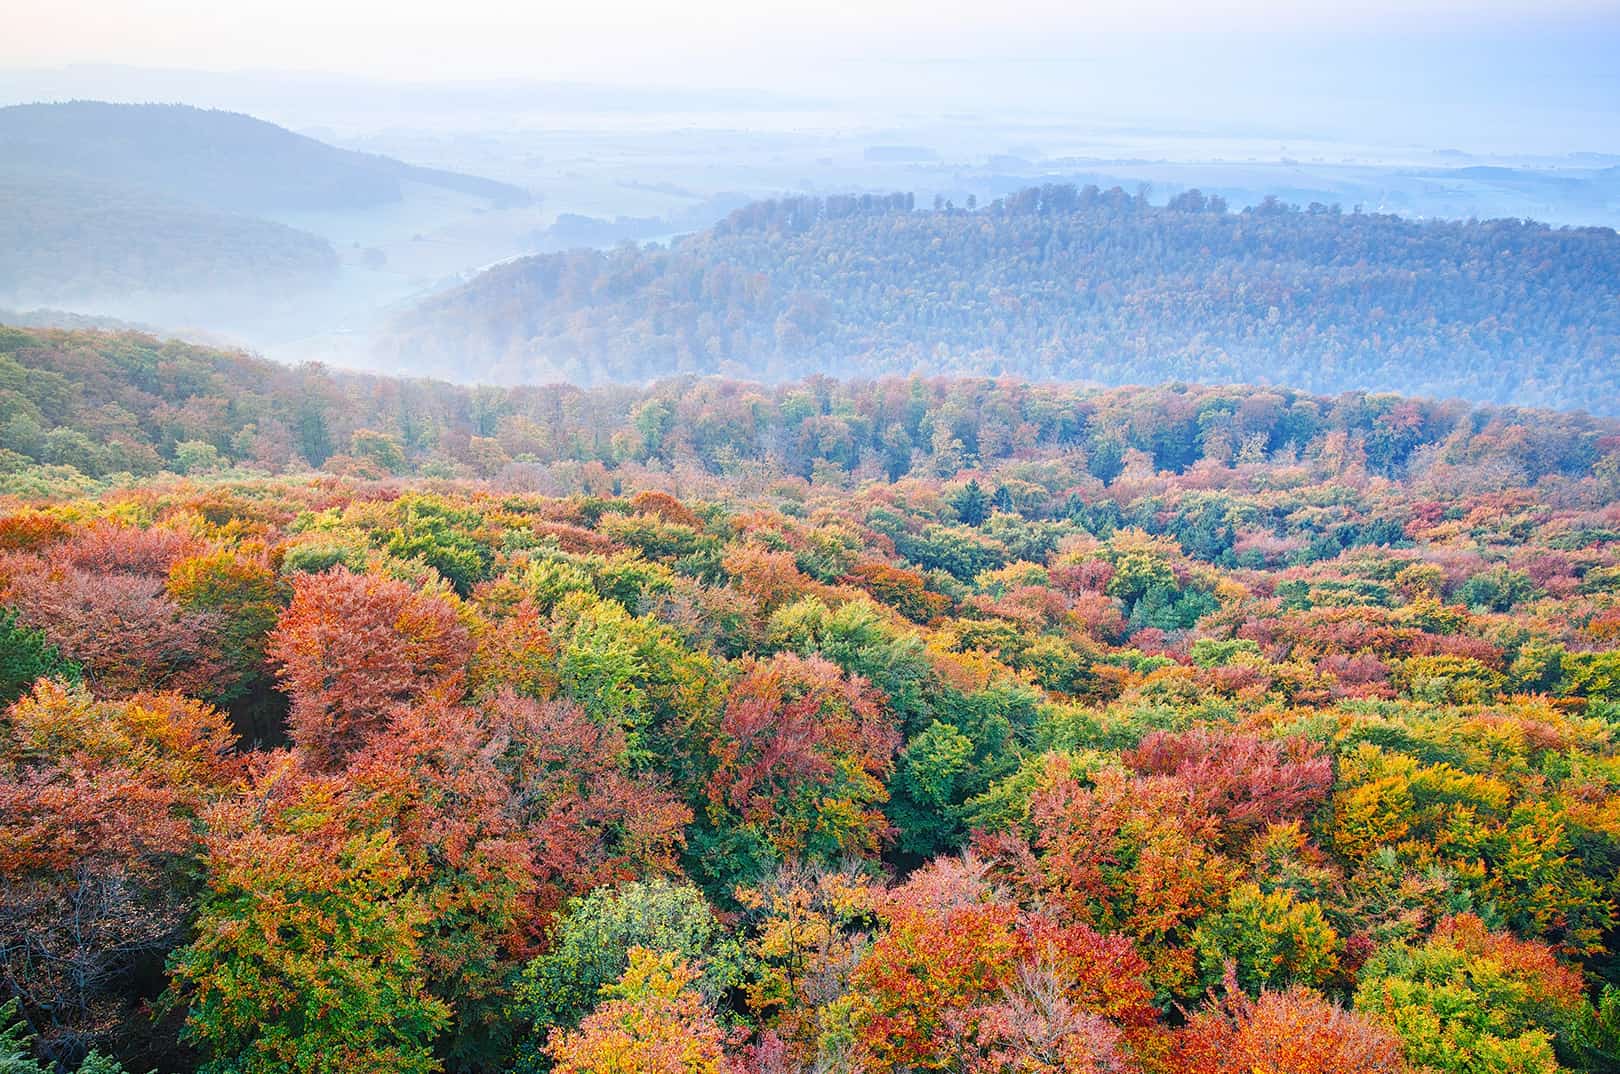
[[244, 597], [156, 644], [351, 647], [586, 819], [652, 1021], [807, 928], [99, 807], [1247, 782], [592, 947], [381, 449], [1270, 938], [306, 956], [801, 754], [25, 655], [916, 999], [431, 780], [971, 504], [1470, 1000], [1292, 1032]]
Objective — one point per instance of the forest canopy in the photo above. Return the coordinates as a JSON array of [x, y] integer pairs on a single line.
[[899, 725], [83, 409]]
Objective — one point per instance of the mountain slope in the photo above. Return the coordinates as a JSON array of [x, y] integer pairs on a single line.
[[1061, 283]]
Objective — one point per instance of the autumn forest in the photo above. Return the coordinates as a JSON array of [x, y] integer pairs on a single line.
[[358, 724]]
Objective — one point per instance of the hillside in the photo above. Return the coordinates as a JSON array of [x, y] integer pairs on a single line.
[[65, 239], [219, 160], [77, 405], [170, 212], [1060, 283]]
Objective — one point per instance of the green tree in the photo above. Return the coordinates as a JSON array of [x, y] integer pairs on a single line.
[[591, 949], [971, 504], [307, 950], [25, 656]]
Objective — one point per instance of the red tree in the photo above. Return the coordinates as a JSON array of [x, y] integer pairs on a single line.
[[99, 804], [352, 647], [802, 752]]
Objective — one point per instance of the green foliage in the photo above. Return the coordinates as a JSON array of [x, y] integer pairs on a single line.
[[590, 951], [310, 970], [1272, 939], [1497, 591], [26, 655], [1470, 1003]]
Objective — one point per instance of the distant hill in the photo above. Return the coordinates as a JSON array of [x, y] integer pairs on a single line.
[[67, 239], [1064, 283], [220, 160], [114, 202]]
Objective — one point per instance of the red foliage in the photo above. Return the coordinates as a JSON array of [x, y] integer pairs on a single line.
[[666, 507], [1459, 645], [1247, 782], [770, 578], [1362, 675], [351, 647], [112, 780], [1547, 982], [99, 803], [1098, 615], [146, 550], [585, 820], [123, 629], [31, 531], [802, 751], [1293, 1032], [919, 990], [901, 589], [1087, 576]]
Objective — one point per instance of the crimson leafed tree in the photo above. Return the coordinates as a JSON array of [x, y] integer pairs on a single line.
[[351, 647]]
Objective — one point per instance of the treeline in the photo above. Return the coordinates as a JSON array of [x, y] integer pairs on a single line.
[[81, 406], [1060, 283]]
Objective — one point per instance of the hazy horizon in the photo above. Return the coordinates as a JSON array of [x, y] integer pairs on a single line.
[[1504, 77]]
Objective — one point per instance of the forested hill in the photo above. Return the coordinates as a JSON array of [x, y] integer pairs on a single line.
[[1056, 283], [65, 239], [219, 160], [78, 408]]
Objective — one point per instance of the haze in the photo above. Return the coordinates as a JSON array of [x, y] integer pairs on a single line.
[[637, 121]]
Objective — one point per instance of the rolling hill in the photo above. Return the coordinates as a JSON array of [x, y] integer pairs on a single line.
[[219, 160], [111, 202], [1060, 283]]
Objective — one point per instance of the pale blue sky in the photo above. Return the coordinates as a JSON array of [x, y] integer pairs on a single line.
[[701, 41]]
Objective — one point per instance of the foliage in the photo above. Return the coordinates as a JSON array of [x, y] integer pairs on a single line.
[[1471, 1000], [651, 1020], [1145, 777], [593, 943]]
